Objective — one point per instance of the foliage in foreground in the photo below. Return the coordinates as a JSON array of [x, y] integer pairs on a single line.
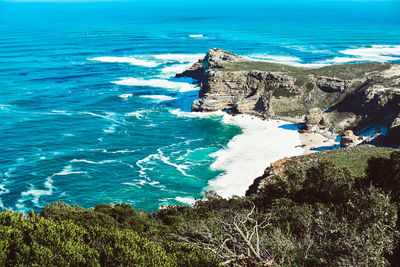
[[322, 215]]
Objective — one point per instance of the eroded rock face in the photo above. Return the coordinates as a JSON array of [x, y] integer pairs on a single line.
[[216, 57], [243, 91], [196, 71], [276, 168], [331, 85]]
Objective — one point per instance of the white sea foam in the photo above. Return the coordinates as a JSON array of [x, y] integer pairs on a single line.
[[179, 167], [248, 154], [159, 98], [196, 35], [125, 96], [4, 107], [201, 115], [132, 184], [160, 83], [137, 183], [109, 116], [141, 164], [287, 60], [110, 129], [67, 171], [381, 53], [176, 68], [182, 58], [186, 200], [121, 151], [3, 191], [92, 162], [130, 60], [376, 53], [84, 161], [310, 49], [276, 58], [138, 114], [34, 194], [60, 112]]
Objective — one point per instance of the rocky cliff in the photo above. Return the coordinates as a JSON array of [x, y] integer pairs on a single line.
[[362, 97]]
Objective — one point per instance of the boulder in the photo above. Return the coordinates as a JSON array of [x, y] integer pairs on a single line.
[[348, 139], [314, 116]]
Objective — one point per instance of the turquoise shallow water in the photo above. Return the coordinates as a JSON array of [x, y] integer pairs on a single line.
[[88, 108]]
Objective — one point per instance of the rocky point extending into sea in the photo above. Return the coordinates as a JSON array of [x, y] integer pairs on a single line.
[[363, 98]]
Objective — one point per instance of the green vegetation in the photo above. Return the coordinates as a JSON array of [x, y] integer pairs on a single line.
[[346, 71], [310, 86], [350, 71], [355, 158], [325, 212], [278, 92], [258, 65]]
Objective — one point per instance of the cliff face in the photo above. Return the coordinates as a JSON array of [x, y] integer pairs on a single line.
[[354, 96]]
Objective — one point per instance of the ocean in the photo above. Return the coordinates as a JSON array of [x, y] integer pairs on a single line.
[[90, 111]]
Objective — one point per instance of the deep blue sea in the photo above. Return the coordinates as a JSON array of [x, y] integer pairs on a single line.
[[90, 112]]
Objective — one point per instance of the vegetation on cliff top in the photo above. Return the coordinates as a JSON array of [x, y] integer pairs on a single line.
[[346, 71], [322, 214], [354, 158]]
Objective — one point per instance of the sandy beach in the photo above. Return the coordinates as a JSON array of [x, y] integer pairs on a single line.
[[313, 142]]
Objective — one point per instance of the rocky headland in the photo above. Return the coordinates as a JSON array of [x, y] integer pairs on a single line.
[[351, 100], [363, 98]]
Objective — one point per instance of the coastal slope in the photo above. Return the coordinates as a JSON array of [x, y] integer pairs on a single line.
[[363, 97]]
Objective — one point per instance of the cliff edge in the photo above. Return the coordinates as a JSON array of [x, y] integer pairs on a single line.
[[363, 97]]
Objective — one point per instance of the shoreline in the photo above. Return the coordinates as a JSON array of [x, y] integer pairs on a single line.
[[314, 141], [276, 138], [248, 154]]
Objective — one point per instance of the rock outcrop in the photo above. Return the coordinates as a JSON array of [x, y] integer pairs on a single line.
[[214, 59], [348, 139], [359, 97]]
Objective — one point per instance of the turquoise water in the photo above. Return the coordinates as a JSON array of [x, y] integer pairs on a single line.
[[90, 113]]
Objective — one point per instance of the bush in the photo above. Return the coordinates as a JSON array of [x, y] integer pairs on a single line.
[[84, 241], [385, 173], [315, 216]]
